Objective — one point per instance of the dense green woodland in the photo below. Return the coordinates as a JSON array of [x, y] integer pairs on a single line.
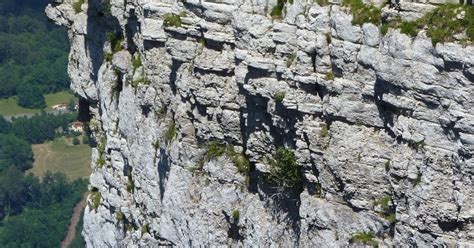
[[33, 57], [33, 212], [33, 53]]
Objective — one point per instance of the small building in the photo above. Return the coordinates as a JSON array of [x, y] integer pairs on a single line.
[[61, 106], [77, 126]]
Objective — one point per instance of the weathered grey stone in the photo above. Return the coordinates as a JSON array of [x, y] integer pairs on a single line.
[[381, 127]]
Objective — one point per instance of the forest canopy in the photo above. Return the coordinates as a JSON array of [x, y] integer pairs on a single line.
[[33, 53]]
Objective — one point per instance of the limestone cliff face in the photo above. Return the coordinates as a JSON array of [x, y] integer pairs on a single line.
[[382, 126]]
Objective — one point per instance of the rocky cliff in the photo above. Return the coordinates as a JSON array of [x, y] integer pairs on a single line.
[[189, 102]]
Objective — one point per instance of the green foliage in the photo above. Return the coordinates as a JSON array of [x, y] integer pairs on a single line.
[[31, 97], [38, 211], [95, 198], [172, 20], [363, 13], [279, 96], [108, 57], [322, 2], [136, 62], [284, 170], [76, 141], [41, 127], [77, 6], [366, 238], [33, 53], [171, 132], [418, 179], [236, 215], [120, 216], [387, 212], [277, 10], [387, 165], [324, 131], [15, 152], [145, 229], [329, 76], [291, 59], [384, 28], [156, 145], [115, 40], [409, 28], [328, 37], [216, 149], [442, 23]]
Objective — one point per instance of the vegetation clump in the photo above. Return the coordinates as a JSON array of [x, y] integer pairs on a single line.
[[136, 62], [291, 59], [329, 76], [366, 238], [173, 20], [279, 96], [387, 212], [322, 2], [442, 23], [363, 13], [95, 198], [78, 6], [284, 170], [236, 215], [171, 132], [216, 149], [115, 40], [277, 11]]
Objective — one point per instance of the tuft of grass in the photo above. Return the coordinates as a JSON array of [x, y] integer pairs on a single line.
[[108, 57], [366, 238], [291, 59], [171, 132], [329, 76], [384, 28], [145, 229], [277, 10], [328, 37], [172, 20], [236, 215], [322, 2], [95, 198], [136, 62], [324, 131], [363, 13], [279, 96], [409, 28], [115, 40], [216, 149], [77, 6], [120, 216], [387, 165], [100, 162], [442, 23], [284, 170]]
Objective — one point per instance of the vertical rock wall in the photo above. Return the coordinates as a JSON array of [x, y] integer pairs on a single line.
[[382, 126]]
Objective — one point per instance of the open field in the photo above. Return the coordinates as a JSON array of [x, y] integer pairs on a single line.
[[61, 156], [9, 107]]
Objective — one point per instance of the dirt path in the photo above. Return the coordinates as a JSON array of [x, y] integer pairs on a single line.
[[71, 233]]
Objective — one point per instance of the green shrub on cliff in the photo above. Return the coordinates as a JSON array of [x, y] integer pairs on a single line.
[[284, 170], [78, 6], [366, 238], [363, 13], [172, 20]]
